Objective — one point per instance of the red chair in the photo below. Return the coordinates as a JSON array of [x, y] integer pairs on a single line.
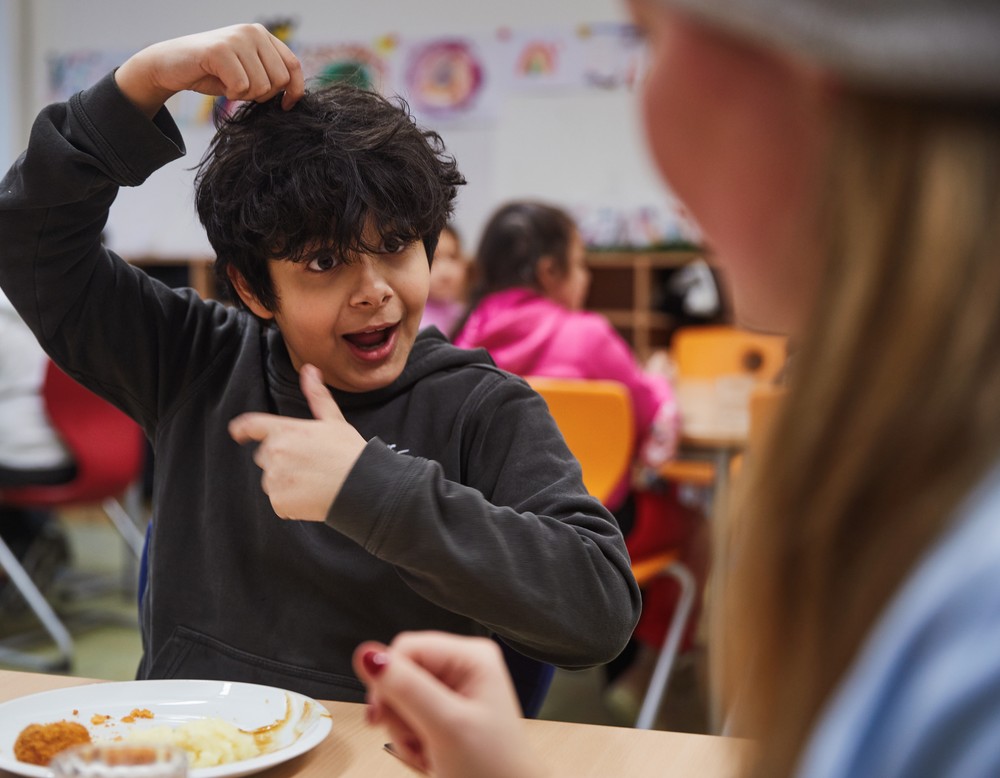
[[108, 451]]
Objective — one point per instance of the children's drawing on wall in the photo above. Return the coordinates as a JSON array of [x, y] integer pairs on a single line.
[[449, 79], [541, 58], [445, 78], [614, 55], [357, 64]]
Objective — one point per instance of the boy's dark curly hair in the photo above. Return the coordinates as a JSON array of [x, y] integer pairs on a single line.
[[344, 172]]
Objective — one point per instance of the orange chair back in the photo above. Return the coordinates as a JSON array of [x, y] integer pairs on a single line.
[[595, 418], [107, 446], [710, 352]]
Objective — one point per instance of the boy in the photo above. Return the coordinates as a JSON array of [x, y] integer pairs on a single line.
[[323, 216]]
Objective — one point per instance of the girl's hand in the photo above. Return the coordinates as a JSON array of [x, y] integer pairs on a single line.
[[448, 704], [242, 62]]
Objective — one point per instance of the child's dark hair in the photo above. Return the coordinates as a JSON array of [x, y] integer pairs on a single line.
[[344, 172], [515, 238]]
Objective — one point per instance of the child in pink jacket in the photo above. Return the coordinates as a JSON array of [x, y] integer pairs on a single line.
[[527, 312]]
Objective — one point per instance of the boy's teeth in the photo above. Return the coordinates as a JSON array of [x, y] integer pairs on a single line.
[[368, 339]]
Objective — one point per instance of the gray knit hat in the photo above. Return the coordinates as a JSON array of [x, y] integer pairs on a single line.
[[931, 47]]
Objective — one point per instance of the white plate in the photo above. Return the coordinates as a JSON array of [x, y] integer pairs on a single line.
[[304, 722]]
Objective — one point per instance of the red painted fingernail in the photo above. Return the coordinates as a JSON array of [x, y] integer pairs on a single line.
[[374, 662], [414, 745]]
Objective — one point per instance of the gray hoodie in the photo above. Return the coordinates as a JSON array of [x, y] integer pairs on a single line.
[[466, 512]]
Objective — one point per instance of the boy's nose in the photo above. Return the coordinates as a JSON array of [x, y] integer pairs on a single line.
[[371, 287]]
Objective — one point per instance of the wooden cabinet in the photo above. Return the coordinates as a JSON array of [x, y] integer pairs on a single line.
[[200, 273], [625, 288]]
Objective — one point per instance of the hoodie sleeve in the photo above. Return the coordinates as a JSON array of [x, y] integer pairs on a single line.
[[105, 322], [522, 548]]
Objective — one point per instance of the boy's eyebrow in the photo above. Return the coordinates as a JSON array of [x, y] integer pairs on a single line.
[[348, 252]]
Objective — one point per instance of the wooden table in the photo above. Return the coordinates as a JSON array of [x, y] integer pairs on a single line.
[[715, 425], [355, 749]]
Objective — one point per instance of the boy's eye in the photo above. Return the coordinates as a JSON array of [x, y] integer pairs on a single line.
[[393, 246], [322, 264]]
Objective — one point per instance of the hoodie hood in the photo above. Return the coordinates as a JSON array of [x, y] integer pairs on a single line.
[[431, 353]]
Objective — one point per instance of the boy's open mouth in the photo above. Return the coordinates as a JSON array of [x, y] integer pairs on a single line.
[[372, 339]]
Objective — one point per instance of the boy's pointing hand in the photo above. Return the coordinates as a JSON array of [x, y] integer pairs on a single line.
[[305, 462], [242, 62]]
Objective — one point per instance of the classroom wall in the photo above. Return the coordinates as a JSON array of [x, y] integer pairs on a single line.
[[11, 102], [571, 149]]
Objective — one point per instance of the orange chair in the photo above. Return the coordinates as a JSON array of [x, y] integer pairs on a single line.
[[108, 451], [710, 352], [710, 359], [595, 418]]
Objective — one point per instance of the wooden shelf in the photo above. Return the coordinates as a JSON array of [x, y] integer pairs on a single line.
[[201, 276], [622, 289]]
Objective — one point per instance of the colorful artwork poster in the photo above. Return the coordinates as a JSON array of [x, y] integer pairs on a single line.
[[76, 70], [614, 56], [541, 59], [354, 63], [450, 79]]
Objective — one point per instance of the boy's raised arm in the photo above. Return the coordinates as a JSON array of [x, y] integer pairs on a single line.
[[242, 62]]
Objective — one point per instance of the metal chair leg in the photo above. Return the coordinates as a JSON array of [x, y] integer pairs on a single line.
[[41, 608], [668, 653], [125, 525]]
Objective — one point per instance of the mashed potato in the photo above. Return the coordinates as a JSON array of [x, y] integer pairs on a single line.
[[208, 742]]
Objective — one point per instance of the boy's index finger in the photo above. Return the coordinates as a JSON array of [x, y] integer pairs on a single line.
[[253, 426]]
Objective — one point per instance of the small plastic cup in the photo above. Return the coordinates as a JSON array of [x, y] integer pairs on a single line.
[[120, 760]]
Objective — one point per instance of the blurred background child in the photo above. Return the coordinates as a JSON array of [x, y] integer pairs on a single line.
[[447, 297], [527, 311]]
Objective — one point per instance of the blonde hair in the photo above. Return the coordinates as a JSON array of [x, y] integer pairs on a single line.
[[892, 416]]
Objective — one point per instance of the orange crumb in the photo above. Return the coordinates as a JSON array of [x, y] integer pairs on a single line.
[[98, 718], [38, 743], [137, 713]]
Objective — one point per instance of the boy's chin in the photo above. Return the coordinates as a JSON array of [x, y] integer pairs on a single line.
[[371, 380]]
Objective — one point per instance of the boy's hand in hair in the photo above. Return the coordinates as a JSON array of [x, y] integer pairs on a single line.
[[305, 462], [242, 62]]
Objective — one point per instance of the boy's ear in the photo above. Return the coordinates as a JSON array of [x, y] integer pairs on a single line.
[[548, 275], [249, 298]]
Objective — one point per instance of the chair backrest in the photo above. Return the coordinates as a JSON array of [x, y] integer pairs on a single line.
[[106, 445], [595, 418], [710, 352]]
